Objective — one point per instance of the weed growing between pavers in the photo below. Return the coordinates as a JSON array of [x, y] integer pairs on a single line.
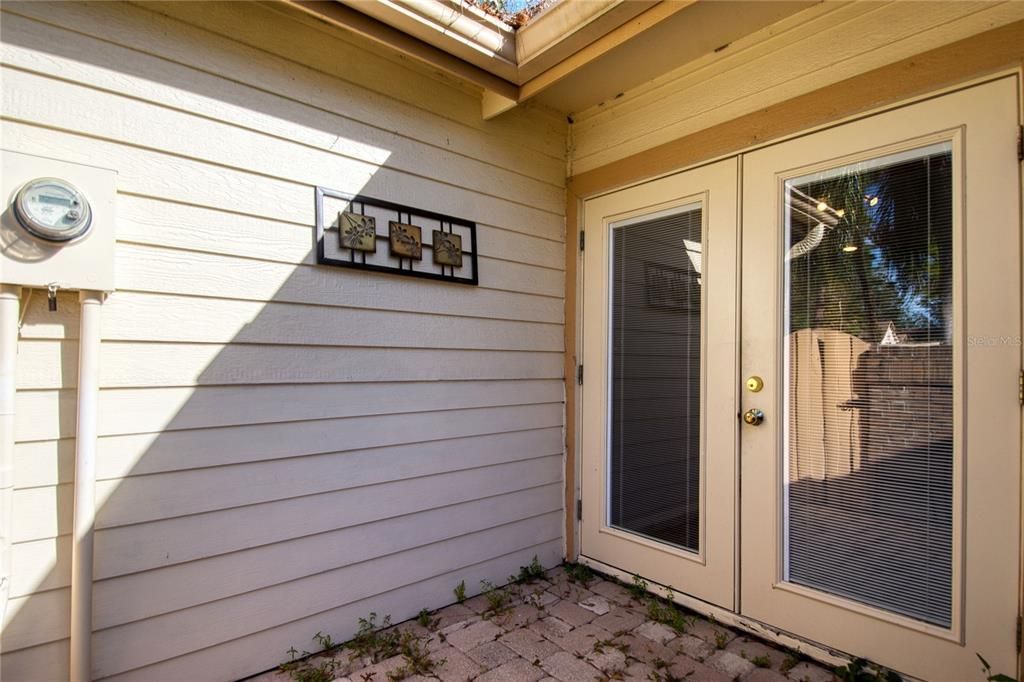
[[661, 672], [529, 573], [669, 614], [380, 653], [302, 668], [638, 590], [373, 642], [602, 645], [460, 592], [498, 601], [426, 620], [307, 671], [579, 573], [860, 670], [417, 660], [791, 661]]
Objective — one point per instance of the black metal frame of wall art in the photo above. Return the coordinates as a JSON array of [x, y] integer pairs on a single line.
[[403, 214]]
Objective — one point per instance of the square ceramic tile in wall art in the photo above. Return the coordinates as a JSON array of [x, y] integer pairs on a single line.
[[447, 249], [358, 232], [406, 240]]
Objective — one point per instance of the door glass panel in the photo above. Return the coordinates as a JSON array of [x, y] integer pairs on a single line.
[[869, 389], [655, 387]]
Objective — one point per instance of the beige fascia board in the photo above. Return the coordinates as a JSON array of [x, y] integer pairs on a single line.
[[345, 17], [567, 27], [460, 30], [624, 33], [430, 31]]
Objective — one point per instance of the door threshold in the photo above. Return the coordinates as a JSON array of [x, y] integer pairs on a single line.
[[813, 650]]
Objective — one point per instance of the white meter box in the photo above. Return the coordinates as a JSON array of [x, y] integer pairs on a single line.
[[58, 223]]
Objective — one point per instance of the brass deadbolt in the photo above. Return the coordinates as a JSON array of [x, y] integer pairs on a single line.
[[755, 384]]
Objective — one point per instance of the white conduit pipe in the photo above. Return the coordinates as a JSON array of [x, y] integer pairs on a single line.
[[85, 486], [10, 298]]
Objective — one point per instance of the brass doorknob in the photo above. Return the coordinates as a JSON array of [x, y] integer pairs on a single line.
[[754, 417]]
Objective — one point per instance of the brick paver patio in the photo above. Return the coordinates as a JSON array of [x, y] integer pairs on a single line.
[[561, 627]]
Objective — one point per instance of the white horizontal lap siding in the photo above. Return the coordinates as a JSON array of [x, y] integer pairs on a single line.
[[284, 447], [134, 645], [44, 461], [51, 364], [232, 655], [148, 221], [137, 596], [466, 456], [135, 316], [504, 428], [43, 415], [161, 544], [812, 49], [183, 73]]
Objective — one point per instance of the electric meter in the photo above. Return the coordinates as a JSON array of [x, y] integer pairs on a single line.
[[58, 223], [53, 210]]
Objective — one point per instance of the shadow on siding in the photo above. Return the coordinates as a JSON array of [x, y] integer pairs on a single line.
[[288, 491]]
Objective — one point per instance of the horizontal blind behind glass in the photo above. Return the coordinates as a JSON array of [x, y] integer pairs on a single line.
[[869, 394], [654, 481]]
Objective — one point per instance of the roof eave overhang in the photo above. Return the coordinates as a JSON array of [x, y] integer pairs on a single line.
[[337, 14], [511, 66]]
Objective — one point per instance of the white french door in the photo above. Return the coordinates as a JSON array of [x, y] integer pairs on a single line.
[[809, 415], [658, 427], [881, 303]]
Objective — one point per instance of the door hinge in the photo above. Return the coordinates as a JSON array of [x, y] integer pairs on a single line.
[[1020, 143], [579, 517], [1018, 633], [579, 375], [583, 240], [1020, 387]]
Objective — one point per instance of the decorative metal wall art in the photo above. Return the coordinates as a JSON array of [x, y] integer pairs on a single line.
[[349, 229]]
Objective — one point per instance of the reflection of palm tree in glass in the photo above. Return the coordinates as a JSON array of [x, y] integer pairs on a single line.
[[888, 258]]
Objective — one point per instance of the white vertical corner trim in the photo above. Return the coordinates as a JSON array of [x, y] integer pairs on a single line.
[[85, 487], [10, 302]]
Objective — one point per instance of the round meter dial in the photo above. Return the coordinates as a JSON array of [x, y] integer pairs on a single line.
[[53, 210]]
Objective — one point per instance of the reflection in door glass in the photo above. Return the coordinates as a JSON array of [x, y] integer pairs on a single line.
[[869, 390], [654, 482]]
